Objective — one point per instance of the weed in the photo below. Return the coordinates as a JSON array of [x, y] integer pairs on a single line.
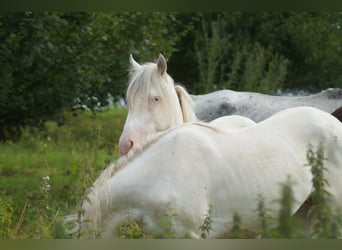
[[71, 156], [129, 229], [167, 222], [205, 227], [236, 231], [326, 224], [285, 220], [263, 217], [6, 215]]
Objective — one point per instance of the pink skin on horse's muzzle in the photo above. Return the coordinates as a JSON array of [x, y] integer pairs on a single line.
[[131, 136], [125, 146]]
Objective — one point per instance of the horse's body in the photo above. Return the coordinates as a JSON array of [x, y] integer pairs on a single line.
[[191, 167], [260, 106]]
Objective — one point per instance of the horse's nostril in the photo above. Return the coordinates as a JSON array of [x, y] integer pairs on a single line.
[[124, 147]]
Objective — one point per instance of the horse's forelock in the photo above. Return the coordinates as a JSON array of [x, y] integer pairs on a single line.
[[143, 80], [139, 84]]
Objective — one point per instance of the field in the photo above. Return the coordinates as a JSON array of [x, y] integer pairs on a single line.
[[44, 174]]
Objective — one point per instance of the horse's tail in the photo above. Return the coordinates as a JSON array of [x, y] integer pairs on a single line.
[[338, 114], [71, 224]]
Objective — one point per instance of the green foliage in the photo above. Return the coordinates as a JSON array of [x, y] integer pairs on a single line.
[[210, 47], [71, 155], [167, 223], [129, 229], [326, 224], [51, 61], [255, 69], [263, 217], [236, 231], [286, 226], [224, 63], [205, 227], [6, 216], [288, 50]]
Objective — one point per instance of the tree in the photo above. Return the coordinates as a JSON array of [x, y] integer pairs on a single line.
[[303, 48], [51, 61]]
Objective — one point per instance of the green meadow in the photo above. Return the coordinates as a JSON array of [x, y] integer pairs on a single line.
[[44, 175]]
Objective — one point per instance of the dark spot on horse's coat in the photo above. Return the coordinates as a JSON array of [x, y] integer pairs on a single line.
[[225, 109], [209, 101]]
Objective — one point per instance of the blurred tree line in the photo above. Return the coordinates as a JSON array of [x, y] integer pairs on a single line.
[[50, 62], [261, 51]]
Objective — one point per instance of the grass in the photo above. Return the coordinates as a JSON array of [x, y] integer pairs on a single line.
[[65, 158], [44, 175]]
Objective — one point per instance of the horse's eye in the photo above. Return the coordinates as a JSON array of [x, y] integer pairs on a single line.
[[156, 98]]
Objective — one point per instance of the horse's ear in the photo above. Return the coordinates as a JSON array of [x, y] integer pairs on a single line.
[[161, 63], [133, 63]]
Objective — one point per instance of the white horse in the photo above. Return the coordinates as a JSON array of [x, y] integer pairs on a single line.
[[192, 167], [155, 104], [259, 106]]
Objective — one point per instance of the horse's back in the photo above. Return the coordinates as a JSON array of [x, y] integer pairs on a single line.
[[258, 106]]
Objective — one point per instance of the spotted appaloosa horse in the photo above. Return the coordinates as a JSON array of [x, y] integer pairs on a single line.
[[260, 106]]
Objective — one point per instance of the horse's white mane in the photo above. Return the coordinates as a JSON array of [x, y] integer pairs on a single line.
[[187, 105]]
